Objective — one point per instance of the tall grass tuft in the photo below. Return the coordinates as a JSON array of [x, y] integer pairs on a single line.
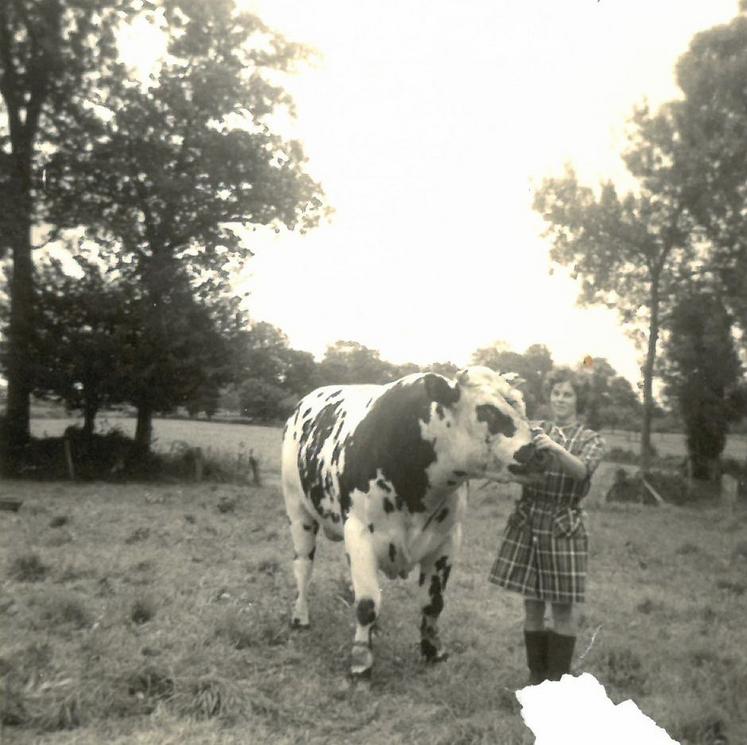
[[142, 610], [209, 696], [27, 568]]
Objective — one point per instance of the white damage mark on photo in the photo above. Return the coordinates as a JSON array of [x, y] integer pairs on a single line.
[[577, 710]]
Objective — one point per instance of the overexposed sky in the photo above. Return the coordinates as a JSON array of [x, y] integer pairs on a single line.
[[429, 124]]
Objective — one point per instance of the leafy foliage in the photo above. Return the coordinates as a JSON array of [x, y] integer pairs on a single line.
[[263, 401], [612, 400], [533, 366], [168, 178], [81, 325], [703, 376], [709, 150], [348, 362]]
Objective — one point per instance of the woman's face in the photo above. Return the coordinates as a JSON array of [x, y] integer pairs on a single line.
[[563, 401]]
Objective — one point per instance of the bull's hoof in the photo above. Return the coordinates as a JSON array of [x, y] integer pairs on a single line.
[[432, 654], [435, 658], [360, 676], [361, 661], [297, 625]]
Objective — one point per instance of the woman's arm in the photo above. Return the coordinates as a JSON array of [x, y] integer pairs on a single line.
[[572, 465]]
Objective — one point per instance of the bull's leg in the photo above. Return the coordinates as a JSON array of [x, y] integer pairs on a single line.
[[303, 533], [434, 574], [363, 568]]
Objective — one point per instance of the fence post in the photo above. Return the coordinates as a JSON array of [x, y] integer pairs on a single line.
[[729, 492], [69, 459], [254, 465]]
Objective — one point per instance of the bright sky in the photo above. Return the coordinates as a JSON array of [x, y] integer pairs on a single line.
[[429, 123]]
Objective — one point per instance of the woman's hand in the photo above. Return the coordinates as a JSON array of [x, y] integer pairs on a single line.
[[542, 441], [572, 465]]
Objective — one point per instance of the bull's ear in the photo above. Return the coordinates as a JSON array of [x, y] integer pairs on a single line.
[[440, 390]]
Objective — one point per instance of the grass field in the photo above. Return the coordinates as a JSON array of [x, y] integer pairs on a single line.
[[157, 614], [215, 438], [673, 443]]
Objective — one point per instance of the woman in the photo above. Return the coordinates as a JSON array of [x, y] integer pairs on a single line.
[[544, 550]]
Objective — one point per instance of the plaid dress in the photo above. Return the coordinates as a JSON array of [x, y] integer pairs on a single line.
[[545, 547]]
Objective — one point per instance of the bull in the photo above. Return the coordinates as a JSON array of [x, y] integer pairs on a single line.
[[384, 468]]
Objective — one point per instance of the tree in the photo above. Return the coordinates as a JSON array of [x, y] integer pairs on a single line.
[[620, 407], [612, 400], [703, 375], [348, 362], [709, 151], [262, 354], [173, 173], [50, 54], [532, 366], [81, 323], [300, 374], [626, 251], [599, 373], [182, 354], [263, 401]]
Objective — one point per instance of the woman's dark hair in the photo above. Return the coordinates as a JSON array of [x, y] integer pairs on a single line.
[[578, 383]]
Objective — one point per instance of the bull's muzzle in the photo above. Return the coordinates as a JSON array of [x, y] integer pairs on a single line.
[[529, 460]]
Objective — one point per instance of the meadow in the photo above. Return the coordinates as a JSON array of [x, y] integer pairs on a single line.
[[158, 613]]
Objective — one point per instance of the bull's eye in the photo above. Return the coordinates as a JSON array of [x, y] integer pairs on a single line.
[[497, 421]]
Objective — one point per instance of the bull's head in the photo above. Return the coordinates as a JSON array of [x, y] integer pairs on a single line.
[[491, 429]]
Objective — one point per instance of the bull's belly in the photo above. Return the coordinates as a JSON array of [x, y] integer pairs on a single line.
[[397, 553], [398, 546]]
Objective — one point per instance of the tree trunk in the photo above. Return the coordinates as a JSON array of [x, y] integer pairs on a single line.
[[144, 429], [90, 409], [648, 378], [20, 328]]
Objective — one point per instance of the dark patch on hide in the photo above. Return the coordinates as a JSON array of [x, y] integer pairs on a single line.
[[498, 422]]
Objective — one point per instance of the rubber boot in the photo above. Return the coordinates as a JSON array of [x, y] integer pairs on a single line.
[[559, 654], [536, 644]]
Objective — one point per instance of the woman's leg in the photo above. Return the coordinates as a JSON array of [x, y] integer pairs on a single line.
[[561, 640], [564, 618], [535, 639], [534, 614]]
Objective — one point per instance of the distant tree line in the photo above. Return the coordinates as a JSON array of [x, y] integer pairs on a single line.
[[276, 376]]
